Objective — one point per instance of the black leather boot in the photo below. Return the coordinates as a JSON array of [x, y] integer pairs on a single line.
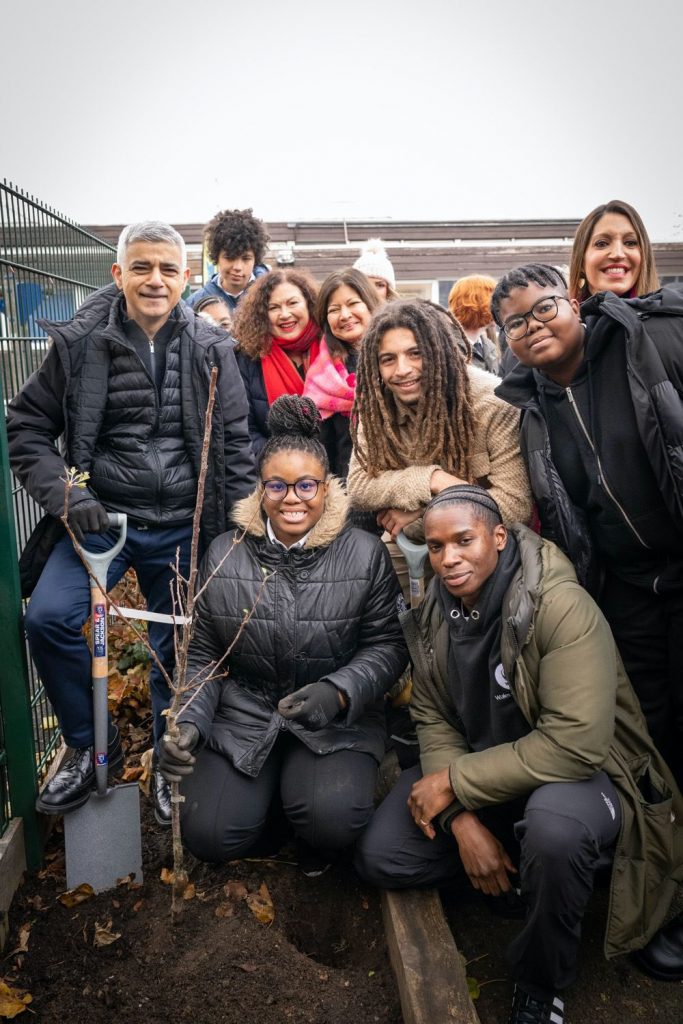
[[161, 794], [75, 780], [662, 958]]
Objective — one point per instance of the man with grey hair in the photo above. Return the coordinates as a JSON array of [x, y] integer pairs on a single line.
[[125, 387]]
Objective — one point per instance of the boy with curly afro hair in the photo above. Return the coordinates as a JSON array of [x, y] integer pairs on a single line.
[[236, 243]]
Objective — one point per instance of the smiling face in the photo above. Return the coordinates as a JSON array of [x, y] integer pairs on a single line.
[[613, 257], [290, 516], [556, 346], [152, 279], [288, 314], [400, 364], [347, 315], [235, 271], [463, 550]]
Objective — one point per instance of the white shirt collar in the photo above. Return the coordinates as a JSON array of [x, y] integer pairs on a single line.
[[273, 539]]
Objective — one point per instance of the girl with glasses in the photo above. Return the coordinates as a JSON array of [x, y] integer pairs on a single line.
[[295, 727], [601, 411]]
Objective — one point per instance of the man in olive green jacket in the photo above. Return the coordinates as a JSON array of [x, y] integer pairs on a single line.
[[535, 754]]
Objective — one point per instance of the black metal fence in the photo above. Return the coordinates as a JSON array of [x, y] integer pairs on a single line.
[[48, 265]]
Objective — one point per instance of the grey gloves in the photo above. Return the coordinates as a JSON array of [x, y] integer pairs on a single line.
[[175, 754], [314, 705], [88, 516]]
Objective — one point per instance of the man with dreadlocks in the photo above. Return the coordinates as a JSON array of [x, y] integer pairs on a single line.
[[536, 764], [426, 419]]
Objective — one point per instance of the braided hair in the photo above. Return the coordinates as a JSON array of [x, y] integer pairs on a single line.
[[541, 274], [294, 425], [484, 508], [444, 411]]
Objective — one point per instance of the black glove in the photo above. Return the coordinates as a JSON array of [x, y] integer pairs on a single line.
[[313, 706], [175, 753], [88, 516]]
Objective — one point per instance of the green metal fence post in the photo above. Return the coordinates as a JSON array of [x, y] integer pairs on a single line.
[[15, 704]]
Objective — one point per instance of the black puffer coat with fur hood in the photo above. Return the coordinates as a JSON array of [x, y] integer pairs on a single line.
[[328, 610]]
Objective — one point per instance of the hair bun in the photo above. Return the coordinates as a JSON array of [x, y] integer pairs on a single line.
[[294, 416]]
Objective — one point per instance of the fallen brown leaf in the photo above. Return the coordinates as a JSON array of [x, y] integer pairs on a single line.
[[24, 934], [167, 876], [146, 777], [132, 773], [261, 905], [235, 890], [104, 936], [13, 1001], [73, 897], [136, 906], [249, 968], [189, 893]]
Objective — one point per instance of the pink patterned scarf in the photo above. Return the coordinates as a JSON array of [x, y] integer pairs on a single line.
[[329, 384]]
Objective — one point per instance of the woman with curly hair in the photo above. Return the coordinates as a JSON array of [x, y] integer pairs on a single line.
[[612, 252], [425, 419], [236, 242], [295, 716], [278, 338], [469, 300], [346, 302]]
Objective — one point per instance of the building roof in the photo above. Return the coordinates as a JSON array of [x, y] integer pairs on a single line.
[[418, 250]]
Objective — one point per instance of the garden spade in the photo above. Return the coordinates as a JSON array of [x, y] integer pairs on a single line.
[[415, 556], [102, 838]]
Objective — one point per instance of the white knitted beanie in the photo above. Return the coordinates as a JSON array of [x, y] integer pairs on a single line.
[[374, 261]]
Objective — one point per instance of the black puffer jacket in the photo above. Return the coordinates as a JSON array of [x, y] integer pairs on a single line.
[[255, 388], [328, 611], [70, 396], [651, 329]]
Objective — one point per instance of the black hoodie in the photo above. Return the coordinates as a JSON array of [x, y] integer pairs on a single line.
[[598, 451]]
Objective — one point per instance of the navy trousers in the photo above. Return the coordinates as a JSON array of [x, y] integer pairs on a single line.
[[557, 838], [60, 605]]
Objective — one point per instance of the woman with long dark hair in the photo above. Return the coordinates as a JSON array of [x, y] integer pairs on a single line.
[[612, 252], [346, 302]]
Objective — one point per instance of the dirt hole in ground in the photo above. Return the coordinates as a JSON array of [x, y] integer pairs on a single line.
[[322, 960]]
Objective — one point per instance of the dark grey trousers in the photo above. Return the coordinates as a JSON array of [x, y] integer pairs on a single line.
[[557, 837]]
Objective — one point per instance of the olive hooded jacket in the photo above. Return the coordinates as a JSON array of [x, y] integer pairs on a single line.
[[568, 680]]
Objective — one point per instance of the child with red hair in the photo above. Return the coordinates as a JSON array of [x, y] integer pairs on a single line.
[[469, 300]]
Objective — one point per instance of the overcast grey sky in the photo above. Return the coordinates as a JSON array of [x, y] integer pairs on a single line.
[[415, 109]]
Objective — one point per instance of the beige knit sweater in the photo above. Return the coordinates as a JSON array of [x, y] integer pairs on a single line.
[[495, 463]]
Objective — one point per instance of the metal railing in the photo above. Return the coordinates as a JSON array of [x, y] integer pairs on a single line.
[[48, 266]]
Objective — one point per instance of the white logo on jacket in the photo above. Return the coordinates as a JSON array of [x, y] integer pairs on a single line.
[[501, 678]]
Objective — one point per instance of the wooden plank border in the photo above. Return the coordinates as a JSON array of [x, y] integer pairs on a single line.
[[429, 970]]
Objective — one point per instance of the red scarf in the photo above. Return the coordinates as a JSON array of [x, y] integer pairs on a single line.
[[280, 375]]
